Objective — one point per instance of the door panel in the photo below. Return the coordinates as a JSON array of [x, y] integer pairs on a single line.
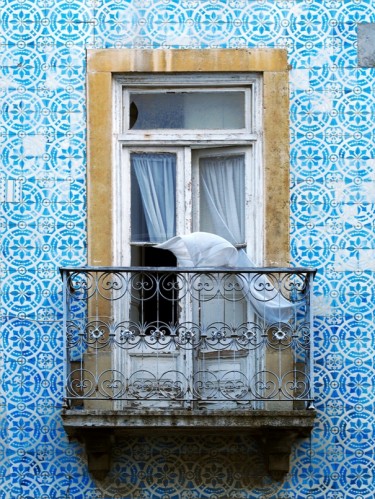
[[215, 184]]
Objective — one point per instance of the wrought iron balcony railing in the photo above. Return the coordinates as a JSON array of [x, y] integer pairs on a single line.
[[188, 338]]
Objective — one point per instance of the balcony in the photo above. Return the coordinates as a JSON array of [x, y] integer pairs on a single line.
[[172, 349]]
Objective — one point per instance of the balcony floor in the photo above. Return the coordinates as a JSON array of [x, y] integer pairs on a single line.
[[231, 421]]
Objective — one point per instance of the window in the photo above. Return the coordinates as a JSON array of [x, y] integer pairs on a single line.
[[189, 151], [189, 159], [185, 109]]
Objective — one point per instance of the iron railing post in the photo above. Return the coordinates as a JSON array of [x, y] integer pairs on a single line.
[[65, 343], [311, 339]]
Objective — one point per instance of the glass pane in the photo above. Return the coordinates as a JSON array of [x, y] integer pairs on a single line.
[[187, 110], [222, 196], [153, 197]]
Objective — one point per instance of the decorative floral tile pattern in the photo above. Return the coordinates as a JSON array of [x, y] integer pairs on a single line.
[[43, 226]]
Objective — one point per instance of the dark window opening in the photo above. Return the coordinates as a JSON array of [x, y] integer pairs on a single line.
[[159, 296]]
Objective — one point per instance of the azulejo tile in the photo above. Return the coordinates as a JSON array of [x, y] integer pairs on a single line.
[[118, 22], [20, 249], [312, 202], [21, 67], [71, 21], [42, 92], [21, 21]]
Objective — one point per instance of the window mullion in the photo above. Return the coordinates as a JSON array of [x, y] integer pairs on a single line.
[[184, 194]]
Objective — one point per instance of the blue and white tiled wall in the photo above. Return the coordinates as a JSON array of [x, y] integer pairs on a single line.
[[42, 226]]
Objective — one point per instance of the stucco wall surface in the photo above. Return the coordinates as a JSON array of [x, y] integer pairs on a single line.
[[43, 226]]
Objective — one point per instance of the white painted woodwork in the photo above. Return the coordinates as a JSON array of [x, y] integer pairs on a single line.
[[188, 145]]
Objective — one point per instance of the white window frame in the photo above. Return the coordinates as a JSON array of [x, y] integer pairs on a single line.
[[187, 144], [184, 142]]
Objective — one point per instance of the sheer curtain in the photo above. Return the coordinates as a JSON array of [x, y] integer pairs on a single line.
[[222, 197], [222, 207], [156, 178]]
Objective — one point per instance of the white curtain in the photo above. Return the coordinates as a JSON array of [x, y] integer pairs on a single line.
[[156, 177], [222, 181], [202, 249], [222, 197]]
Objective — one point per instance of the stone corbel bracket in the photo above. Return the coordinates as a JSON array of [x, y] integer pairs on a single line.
[[276, 432]]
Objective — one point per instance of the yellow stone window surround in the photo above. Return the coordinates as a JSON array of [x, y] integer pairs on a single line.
[[271, 63]]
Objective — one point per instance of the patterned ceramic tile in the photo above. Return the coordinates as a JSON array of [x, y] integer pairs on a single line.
[[43, 226]]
